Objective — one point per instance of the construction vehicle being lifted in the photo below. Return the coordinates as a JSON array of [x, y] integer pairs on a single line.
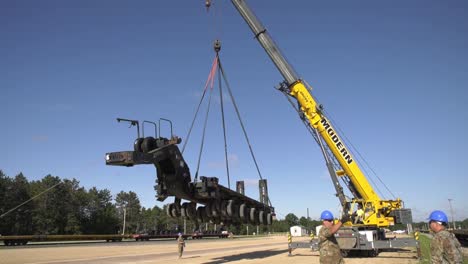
[[207, 200], [367, 237]]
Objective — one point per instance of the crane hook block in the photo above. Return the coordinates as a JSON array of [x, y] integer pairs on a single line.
[[207, 4], [217, 45]]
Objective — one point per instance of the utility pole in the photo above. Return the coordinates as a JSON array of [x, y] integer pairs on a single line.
[[125, 216], [451, 213]]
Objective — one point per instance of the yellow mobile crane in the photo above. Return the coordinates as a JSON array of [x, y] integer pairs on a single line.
[[368, 236]]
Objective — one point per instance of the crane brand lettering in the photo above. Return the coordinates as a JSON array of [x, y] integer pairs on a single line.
[[334, 137]]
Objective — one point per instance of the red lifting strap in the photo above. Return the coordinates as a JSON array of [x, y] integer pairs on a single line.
[[210, 80]]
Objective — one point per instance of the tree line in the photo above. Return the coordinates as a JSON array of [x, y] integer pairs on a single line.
[[62, 206], [69, 208]]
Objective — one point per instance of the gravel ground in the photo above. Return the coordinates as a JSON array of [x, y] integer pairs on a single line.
[[271, 250]]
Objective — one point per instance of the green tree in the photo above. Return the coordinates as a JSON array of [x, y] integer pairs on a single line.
[[77, 206], [304, 222], [49, 216], [129, 203], [291, 219], [100, 214], [22, 224], [280, 226], [5, 204], [14, 192]]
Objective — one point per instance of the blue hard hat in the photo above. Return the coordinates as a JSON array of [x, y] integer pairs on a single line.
[[326, 215], [438, 216]]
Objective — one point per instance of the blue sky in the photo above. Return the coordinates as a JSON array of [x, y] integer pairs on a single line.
[[393, 75]]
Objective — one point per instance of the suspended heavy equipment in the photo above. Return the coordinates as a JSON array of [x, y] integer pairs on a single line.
[[201, 199]]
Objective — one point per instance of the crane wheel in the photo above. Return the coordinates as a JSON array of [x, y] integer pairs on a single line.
[[253, 216], [183, 210], [201, 214], [232, 209], [215, 212], [137, 144], [269, 219], [261, 217], [148, 144], [223, 208], [169, 210], [243, 212], [192, 211], [208, 210], [175, 212]]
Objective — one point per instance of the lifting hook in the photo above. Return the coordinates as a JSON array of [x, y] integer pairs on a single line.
[[217, 46]]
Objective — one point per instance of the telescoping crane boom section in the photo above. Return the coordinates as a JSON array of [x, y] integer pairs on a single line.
[[383, 210]]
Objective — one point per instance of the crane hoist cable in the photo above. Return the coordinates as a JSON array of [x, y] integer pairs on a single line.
[[209, 84], [221, 69], [355, 150], [222, 118], [348, 142], [203, 135]]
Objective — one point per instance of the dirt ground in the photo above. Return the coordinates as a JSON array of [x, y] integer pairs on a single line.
[[271, 250]]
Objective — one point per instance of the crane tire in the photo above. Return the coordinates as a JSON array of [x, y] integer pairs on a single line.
[[208, 210], [137, 144], [253, 215], [269, 219], [191, 211], [148, 144], [261, 217], [223, 208], [183, 210], [243, 212], [232, 209], [201, 214], [169, 210]]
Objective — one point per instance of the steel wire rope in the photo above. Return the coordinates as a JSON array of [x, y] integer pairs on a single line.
[[325, 113], [203, 136], [329, 153], [224, 124], [27, 201], [208, 81], [240, 121], [217, 32], [353, 150], [363, 159]]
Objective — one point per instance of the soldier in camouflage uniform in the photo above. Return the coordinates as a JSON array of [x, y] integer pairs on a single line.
[[180, 244], [445, 247], [329, 249]]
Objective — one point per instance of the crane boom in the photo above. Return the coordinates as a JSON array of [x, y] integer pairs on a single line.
[[315, 118]]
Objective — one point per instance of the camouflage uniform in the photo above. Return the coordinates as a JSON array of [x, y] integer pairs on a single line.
[[329, 249], [445, 248], [181, 245]]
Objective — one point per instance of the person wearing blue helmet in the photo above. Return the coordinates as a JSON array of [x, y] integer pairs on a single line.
[[328, 246], [445, 247]]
